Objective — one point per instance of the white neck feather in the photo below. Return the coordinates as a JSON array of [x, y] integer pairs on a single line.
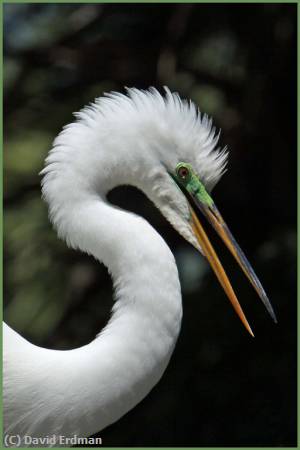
[[82, 391], [118, 140]]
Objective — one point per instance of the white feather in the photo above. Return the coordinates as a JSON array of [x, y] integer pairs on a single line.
[[120, 139]]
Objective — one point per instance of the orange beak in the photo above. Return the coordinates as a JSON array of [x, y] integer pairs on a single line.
[[192, 187], [217, 267], [214, 217]]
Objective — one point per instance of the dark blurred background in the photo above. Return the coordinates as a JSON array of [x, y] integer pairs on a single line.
[[238, 63]]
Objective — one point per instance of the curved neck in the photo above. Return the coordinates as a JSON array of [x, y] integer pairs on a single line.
[[131, 353], [93, 386]]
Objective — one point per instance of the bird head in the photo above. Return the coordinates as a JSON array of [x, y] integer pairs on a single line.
[[186, 165], [163, 146]]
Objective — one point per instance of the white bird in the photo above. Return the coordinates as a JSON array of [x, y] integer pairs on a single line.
[[165, 147]]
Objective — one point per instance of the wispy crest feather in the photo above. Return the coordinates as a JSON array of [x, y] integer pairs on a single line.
[[123, 139], [193, 134]]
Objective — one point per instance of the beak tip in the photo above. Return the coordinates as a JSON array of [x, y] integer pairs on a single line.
[[250, 331], [263, 296], [271, 311], [274, 318]]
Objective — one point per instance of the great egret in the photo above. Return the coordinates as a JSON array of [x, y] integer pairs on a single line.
[[162, 145]]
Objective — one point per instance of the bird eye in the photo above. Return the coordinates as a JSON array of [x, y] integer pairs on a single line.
[[183, 172]]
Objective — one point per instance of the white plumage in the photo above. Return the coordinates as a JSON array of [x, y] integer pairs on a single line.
[[133, 139]]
